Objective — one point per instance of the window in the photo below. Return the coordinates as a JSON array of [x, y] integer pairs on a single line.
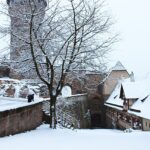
[[146, 124], [149, 125], [66, 91]]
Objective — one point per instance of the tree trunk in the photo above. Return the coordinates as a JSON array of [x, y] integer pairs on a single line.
[[53, 119]]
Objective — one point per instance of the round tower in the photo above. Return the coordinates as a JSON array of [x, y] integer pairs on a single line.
[[20, 12]]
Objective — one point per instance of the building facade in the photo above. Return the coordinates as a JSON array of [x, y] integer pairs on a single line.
[[117, 73], [128, 106]]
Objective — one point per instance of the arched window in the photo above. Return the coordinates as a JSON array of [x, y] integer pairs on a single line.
[[66, 91]]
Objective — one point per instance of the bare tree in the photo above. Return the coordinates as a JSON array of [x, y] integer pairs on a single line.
[[74, 35]]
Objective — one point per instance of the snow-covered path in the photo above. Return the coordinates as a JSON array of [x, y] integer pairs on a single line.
[[44, 138]]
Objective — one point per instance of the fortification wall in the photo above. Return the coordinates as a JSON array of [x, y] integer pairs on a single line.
[[20, 119], [73, 111]]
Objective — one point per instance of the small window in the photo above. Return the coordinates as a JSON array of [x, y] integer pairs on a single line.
[[115, 96], [146, 124], [66, 91], [149, 125]]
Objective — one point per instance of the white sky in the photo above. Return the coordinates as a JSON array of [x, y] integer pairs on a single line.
[[133, 24]]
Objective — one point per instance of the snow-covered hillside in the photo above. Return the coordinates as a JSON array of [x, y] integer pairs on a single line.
[[44, 138]]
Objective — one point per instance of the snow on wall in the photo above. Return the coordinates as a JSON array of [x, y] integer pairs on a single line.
[[20, 119]]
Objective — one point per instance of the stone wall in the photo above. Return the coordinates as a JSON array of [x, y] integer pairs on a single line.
[[20, 119], [73, 111], [4, 71], [86, 83], [105, 89]]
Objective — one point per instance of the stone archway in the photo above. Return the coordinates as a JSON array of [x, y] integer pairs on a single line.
[[95, 104], [96, 120], [66, 90]]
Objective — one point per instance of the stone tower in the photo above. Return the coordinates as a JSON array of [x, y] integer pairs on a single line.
[[20, 14], [118, 72]]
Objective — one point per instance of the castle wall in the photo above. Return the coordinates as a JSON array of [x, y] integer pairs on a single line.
[[73, 111], [20, 119], [87, 83]]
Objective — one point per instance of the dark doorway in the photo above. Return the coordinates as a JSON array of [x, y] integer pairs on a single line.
[[95, 120]]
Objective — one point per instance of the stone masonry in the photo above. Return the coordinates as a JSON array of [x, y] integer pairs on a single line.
[[20, 119], [20, 15]]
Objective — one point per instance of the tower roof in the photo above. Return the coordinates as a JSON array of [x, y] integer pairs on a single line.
[[118, 67]]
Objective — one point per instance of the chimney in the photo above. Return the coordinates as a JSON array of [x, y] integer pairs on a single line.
[[132, 79]]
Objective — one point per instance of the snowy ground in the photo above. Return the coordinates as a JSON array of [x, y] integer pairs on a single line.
[[44, 138]]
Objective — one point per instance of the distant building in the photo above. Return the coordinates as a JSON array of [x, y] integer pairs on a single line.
[[104, 89], [128, 106]]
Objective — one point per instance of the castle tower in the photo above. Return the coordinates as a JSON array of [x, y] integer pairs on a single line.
[[20, 15], [118, 72]]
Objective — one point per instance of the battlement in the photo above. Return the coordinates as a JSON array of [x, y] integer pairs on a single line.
[[25, 1]]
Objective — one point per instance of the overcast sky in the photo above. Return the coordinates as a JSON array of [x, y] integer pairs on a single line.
[[133, 23]]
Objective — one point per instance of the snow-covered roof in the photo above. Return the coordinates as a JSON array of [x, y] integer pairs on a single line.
[[134, 90], [118, 67], [139, 90], [114, 97], [143, 104]]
